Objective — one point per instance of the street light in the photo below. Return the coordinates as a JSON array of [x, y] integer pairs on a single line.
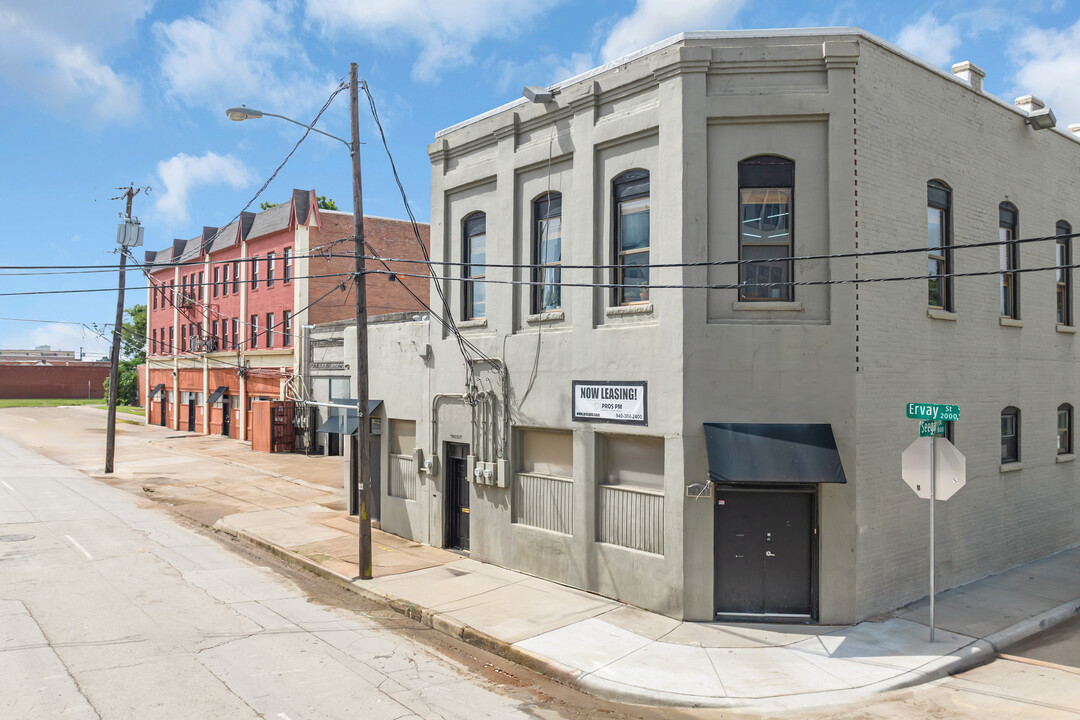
[[361, 469]]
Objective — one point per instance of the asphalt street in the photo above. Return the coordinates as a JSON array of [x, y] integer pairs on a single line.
[[109, 608]]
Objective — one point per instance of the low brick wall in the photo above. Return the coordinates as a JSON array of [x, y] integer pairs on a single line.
[[78, 380]]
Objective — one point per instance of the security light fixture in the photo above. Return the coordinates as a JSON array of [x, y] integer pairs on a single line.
[[1042, 119], [242, 113], [537, 94]]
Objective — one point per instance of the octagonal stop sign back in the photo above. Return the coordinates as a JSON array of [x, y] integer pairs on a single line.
[[949, 465]]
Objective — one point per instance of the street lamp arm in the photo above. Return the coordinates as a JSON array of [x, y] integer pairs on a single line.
[[246, 113], [344, 142]]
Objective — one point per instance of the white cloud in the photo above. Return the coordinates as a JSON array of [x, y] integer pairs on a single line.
[[240, 51], [930, 39], [446, 30], [1049, 68], [182, 174], [655, 20], [54, 51]]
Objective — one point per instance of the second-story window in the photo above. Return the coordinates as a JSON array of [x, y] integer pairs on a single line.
[[474, 252], [547, 252], [1009, 254], [217, 279], [269, 269], [225, 279], [254, 267], [631, 198], [1064, 429], [236, 276], [286, 328], [938, 239], [270, 330], [766, 190], [254, 332], [1010, 435], [202, 281], [287, 262], [172, 339], [1063, 274]]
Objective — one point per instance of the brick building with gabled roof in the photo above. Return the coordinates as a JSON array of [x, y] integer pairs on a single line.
[[225, 309]]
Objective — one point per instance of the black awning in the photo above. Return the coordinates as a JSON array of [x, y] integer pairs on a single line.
[[156, 390], [351, 424], [222, 389], [332, 425], [773, 453]]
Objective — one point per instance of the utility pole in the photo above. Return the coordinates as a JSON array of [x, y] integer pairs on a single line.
[[114, 359], [362, 464]]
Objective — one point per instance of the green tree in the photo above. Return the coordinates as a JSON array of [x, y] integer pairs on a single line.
[[266, 205], [326, 203], [133, 352]]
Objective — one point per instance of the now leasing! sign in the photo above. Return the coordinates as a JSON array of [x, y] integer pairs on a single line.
[[614, 402]]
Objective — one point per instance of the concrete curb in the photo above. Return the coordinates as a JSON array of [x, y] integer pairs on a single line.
[[976, 653]]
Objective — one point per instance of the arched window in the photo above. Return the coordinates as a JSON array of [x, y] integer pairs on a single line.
[[547, 252], [766, 202], [939, 240], [474, 254], [1010, 435], [630, 197], [1009, 252], [1064, 429], [1063, 274]]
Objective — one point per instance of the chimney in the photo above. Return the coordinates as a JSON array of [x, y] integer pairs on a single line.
[[970, 73], [1029, 103]]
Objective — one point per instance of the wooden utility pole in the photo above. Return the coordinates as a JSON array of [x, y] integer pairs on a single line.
[[362, 460], [114, 358]]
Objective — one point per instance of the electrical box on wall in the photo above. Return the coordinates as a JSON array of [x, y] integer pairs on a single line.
[[429, 464], [502, 474], [484, 473]]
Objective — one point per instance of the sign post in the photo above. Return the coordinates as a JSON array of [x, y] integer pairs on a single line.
[[920, 467]]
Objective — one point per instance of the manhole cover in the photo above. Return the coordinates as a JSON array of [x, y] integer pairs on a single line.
[[15, 538]]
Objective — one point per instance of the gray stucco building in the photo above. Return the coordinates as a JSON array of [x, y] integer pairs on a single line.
[[631, 410]]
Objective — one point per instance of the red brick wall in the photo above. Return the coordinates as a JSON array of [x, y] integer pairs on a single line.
[[277, 299], [391, 239], [53, 381]]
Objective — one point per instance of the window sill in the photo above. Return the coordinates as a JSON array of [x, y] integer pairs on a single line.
[[1065, 457], [939, 314], [768, 305], [474, 323], [1011, 467], [1067, 329], [1011, 322], [622, 310], [546, 317]]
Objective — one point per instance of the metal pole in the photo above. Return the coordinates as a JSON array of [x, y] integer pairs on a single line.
[[363, 461], [114, 357], [933, 502]]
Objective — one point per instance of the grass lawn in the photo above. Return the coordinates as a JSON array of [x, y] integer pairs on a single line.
[[129, 409], [48, 402]]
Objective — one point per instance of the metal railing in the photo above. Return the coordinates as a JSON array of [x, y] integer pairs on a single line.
[[544, 501], [632, 517], [403, 480]]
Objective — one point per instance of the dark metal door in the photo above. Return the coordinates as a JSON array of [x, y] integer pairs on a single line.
[[191, 413], [375, 465], [226, 411], [164, 410], [763, 553], [457, 492]]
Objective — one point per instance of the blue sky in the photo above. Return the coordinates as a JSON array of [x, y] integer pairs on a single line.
[[94, 96]]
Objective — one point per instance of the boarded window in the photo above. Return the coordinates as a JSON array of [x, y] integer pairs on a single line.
[[632, 460], [547, 452], [402, 437]]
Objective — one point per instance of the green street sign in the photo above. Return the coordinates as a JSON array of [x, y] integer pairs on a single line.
[[930, 411], [931, 427]]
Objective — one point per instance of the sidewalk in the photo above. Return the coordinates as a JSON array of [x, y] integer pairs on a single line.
[[588, 641]]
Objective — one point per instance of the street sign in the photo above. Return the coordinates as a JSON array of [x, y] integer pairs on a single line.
[[950, 467], [931, 411], [931, 427]]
